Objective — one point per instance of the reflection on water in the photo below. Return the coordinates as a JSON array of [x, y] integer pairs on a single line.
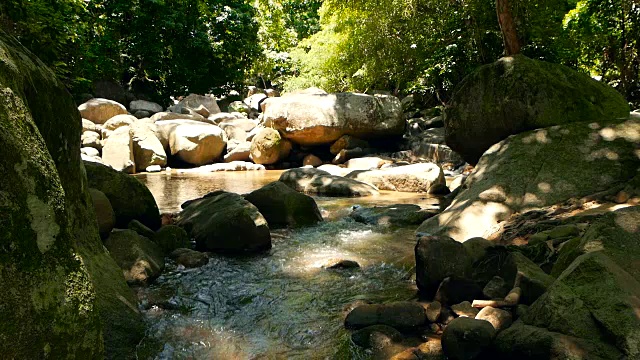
[[281, 304]]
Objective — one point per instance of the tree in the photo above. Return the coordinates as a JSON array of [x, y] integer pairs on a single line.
[[508, 27]]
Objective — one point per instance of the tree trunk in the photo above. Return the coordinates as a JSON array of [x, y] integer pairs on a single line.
[[508, 28]]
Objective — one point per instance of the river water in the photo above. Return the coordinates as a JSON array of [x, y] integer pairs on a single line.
[[281, 304]]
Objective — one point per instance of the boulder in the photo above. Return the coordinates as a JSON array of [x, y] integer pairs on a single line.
[[340, 264], [456, 289], [225, 222], [284, 207], [104, 212], [315, 119], [239, 106], [268, 147], [128, 196], [242, 123], [241, 152], [89, 151], [88, 125], [391, 215], [100, 110], [527, 342], [465, 309], [594, 298], [162, 116], [143, 105], [194, 101], [517, 94], [439, 257], [400, 315], [409, 178], [366, 163], [61, 291], [111, 90], [376, 336], [529, 170], [311, 160], [499, 319], [314, 181], [170, 238], [142, 114], [465, 338], [235, 133], [119, 121], [140, 259], [189, 258], [91, 139], [147, 149], [141, 229], [519, 271], [347, 142], [117, 151], [197, 144], [254, 101]]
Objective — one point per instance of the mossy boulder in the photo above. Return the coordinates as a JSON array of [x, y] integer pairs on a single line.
[[225, 222], [439, 257], [517, 94], [131, 200], [284, 207], [268, 147], [537, 169], [171, 237], [104, 212], [140, 259], [37, 112]]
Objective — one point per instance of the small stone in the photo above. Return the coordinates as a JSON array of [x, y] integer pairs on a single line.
[[375, 336], [432, 310], [454, 290], [402, 315], [465, 338], [496, 288], [153, 168], [438, 189], [189, 258], [622, 197], [465, 309], [311, 160], [500, 319], [341, 264], [171, 237]]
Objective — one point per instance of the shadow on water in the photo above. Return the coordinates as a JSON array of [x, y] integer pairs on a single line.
[[282, 304]]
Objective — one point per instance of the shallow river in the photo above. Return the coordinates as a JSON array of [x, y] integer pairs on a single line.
[[281, 304]]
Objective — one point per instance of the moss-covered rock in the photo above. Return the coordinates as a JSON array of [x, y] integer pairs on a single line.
[[140, 259], [225, 222], [268, 147], [536, 169], [52, 110], [131, 200], [284, 207], [104, 212], [517, 94], [171, 237]]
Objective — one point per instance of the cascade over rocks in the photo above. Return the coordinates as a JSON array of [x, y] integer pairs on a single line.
[[225, 222], [315, 119], [54, 303], [517, 94], [536, 169]]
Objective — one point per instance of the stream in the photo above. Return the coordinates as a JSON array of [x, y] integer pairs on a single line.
[[281, 304]]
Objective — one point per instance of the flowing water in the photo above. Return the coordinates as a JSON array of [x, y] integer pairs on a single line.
[[281, 304]]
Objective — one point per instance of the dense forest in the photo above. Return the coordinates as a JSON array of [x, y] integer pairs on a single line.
[[158, 48]]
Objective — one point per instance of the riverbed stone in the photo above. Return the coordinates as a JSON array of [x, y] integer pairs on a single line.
[[347, 142], [400, 315], [193, 101], [341, 264], [465, 338], [519, 271], [465, 309], [268, 147], [88, 125], [189, 258], [500, 319], [284, 207], [197, 144], [408, 178], [147, 149], [517, 94], [319, 182], [454, 289], [375, 336], [496, 288], [528, 171], [225, 222], [439, 257], [166, 116], [143, 105], [315, 119], [129, 198], [119, 121], [100, 110], [117, 151], [104, 212], [311, 160], [391, 215], [140, 229], [366, 163], [171, 237], [140, 259]]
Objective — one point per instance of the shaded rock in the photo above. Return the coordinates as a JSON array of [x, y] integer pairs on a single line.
[[111, 90], [284, 207], [117, 151], [341, 264], [142, 105], [189, 258], [141, 229], [500, 319], [311, 160], [439, 257], [432, 310], [314, 181], [197, 144], [129, 198], [171, 237], [527, 342], [225, 222], [100, 110], [410, 178], [268, 147], [526, 275], [194, 101], [477, 248], [429, 350], [438, 189], [375, 336], [104, 212], [366, 163], [147, 149], [314, 119], [465, 309], [142, 114], [140, 259], [528, 171], [453, 290], [517, 94], [593, 299], [392, 215], [466, 338], [400, 315], [348, 142], [345, 155], [119, 121], [497, 288]]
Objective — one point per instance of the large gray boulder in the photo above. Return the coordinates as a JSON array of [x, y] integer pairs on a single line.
[[408, 178], [284, 207], [195, 101], [225, 222], [57, 276], [147, 149], [143, 105], [315, 119], [536, 169], [131, 200], [517, 94], [319, 182], [197, 144]]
